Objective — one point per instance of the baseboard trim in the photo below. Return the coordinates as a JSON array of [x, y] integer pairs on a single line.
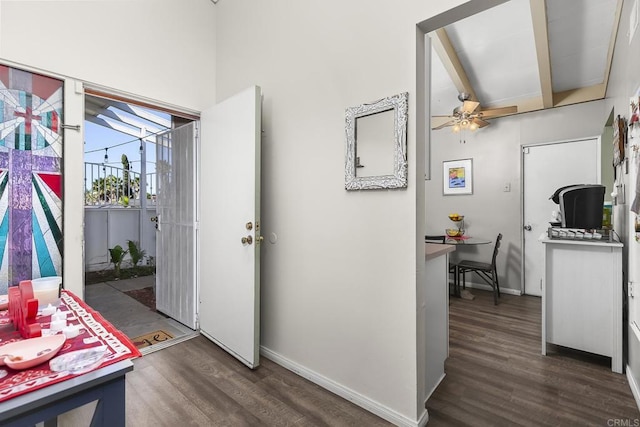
[[633, 385], [485, 287], [345, 392]]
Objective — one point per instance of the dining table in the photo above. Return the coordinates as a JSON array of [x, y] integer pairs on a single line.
[[459, 242], [466, 240], [42, 392]]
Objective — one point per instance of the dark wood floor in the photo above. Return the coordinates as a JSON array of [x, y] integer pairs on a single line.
[[195, 383], [496, 376]]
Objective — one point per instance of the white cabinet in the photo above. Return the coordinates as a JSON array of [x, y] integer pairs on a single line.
[[582, 297]]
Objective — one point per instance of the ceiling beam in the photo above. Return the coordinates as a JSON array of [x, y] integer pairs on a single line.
[[109, 115], [443, 47], [522, 106], [115, 114], [141, 112], [541, 37], [117, 126], [583, 94], [530, 104], [612, 43], [561, 99]]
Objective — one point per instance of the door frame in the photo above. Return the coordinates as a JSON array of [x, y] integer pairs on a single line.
[[182, 113], [598, 139]]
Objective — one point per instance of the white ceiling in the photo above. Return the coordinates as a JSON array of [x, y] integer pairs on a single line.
[[534, 54]]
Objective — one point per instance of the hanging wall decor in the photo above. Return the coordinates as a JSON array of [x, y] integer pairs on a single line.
[[30, 176], [376, 144], [619, 139], [457, 177]]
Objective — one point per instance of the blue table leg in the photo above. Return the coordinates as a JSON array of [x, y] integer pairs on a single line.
[[110, 410]]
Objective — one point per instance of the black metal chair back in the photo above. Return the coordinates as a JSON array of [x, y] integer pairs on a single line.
[[487, 272], [495, 250]]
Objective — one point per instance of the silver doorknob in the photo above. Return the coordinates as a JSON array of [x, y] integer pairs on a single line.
[[527, 227]]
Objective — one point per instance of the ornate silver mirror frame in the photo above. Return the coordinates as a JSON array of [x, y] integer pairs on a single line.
[[398, 179]]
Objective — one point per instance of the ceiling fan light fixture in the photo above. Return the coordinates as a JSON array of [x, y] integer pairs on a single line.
[[463, 96], [469, 116]]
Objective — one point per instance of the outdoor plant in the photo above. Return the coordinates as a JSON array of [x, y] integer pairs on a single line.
[[135, 252], [117, 256]]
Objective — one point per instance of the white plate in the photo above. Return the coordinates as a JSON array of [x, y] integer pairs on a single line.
[[4, 302], [28, 353]]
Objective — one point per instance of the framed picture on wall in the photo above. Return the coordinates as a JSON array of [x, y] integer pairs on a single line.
[[457, 177]]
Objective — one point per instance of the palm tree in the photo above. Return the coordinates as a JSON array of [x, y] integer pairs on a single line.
[[106, 189], [125, 176]]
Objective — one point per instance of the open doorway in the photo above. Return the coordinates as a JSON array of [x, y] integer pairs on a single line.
[[121, 189]]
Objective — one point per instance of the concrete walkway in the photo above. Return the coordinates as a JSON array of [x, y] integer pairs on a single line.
[[128, 315]]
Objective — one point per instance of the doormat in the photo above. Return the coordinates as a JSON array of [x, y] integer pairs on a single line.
[[151, 338], [145, 296]]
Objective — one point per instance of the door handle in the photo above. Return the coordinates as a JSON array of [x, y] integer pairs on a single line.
[[527, 227], [247, 240]]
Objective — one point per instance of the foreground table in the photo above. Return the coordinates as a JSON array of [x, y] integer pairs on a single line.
[[39, 394], [106, 385]]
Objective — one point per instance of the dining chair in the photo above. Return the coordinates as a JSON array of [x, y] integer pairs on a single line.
[[441, 238], [486, 271]]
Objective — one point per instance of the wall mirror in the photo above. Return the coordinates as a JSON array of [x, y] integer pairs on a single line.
[[377, 144]]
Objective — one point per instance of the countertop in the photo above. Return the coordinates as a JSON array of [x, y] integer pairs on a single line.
[[434, 250], [582, 242]]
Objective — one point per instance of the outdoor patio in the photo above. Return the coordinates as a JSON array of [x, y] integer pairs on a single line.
[[131, 316]]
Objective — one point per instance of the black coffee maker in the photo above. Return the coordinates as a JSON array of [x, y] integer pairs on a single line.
[[581, 206]]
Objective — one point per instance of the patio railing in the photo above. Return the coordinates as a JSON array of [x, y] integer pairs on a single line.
[[113, 186]]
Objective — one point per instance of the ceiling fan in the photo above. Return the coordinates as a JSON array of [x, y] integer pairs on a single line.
[[466, 117]]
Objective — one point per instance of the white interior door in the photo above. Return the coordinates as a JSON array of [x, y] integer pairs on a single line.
[[229, 311], [545, 169], [176, 224]]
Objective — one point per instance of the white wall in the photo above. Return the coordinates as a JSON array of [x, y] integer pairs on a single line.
[[339, 285], [160, 49], [110, 226], [624, 82], [156, 50], [496, 154]]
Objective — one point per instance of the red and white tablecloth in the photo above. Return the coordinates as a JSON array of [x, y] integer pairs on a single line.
[[95, 331]]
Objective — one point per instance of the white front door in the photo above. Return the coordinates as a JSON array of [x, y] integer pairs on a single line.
[[229, 310], [545, 169], [176, 224]]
